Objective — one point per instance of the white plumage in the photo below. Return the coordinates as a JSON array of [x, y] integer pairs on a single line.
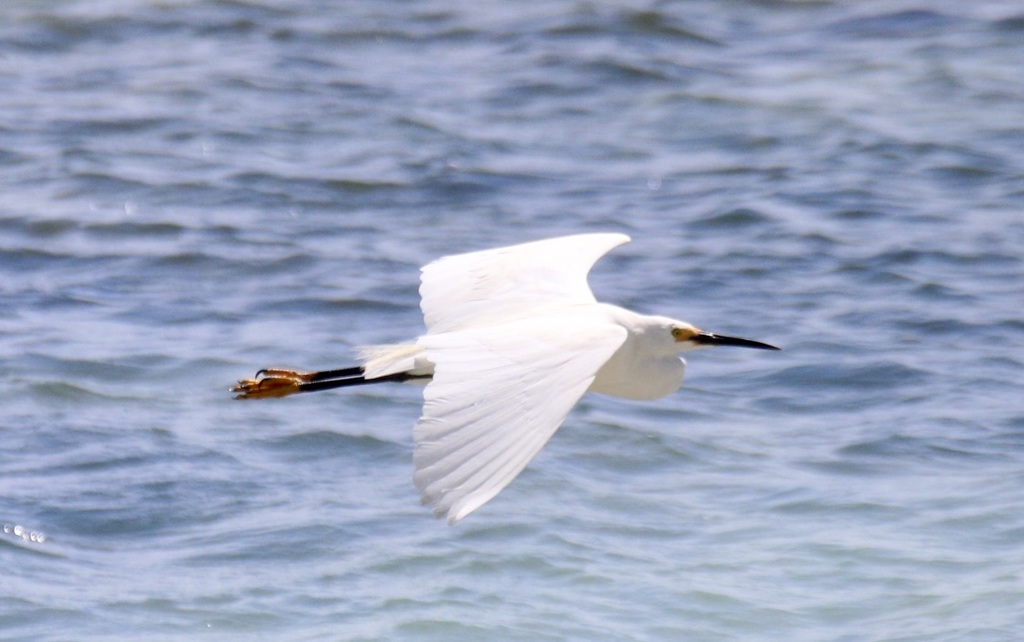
[[514, 339]]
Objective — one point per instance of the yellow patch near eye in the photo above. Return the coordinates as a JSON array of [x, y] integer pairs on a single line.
[[683, 334]]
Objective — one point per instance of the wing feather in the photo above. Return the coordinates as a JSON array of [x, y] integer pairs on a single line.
[[498, 395], [459, 291]]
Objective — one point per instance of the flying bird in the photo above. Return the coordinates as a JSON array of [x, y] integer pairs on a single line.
[[514, 338]]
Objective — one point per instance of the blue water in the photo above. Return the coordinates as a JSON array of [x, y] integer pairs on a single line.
[[191, 191]]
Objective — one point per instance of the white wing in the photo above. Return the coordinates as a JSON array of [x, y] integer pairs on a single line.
[[462, 290], [498, 395]]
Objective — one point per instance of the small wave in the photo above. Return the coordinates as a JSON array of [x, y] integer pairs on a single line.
[[1010, 24], [47, 228], [328, 444], [136, 229], [876, 375], [62, 391], [646, 23], [739, 218], [907, 448], [895, 24]]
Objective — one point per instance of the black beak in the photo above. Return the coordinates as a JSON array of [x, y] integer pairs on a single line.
[[711, 339]]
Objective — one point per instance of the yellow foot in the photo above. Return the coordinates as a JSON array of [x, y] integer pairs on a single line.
[[272, 382], [281, 373]]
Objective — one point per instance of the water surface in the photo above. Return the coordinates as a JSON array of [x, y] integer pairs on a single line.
[[194, 190]]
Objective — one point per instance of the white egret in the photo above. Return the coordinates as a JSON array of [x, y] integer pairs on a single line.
[[514, 339]]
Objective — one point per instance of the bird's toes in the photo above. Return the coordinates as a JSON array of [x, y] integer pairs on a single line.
[[283, 373], [266, 388]]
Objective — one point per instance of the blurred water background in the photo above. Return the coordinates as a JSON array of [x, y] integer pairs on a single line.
[[191, 190]]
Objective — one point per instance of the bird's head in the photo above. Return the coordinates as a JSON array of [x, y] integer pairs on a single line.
[[687, 337]]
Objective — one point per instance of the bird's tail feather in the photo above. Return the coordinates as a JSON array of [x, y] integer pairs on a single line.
[[383, 360]]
